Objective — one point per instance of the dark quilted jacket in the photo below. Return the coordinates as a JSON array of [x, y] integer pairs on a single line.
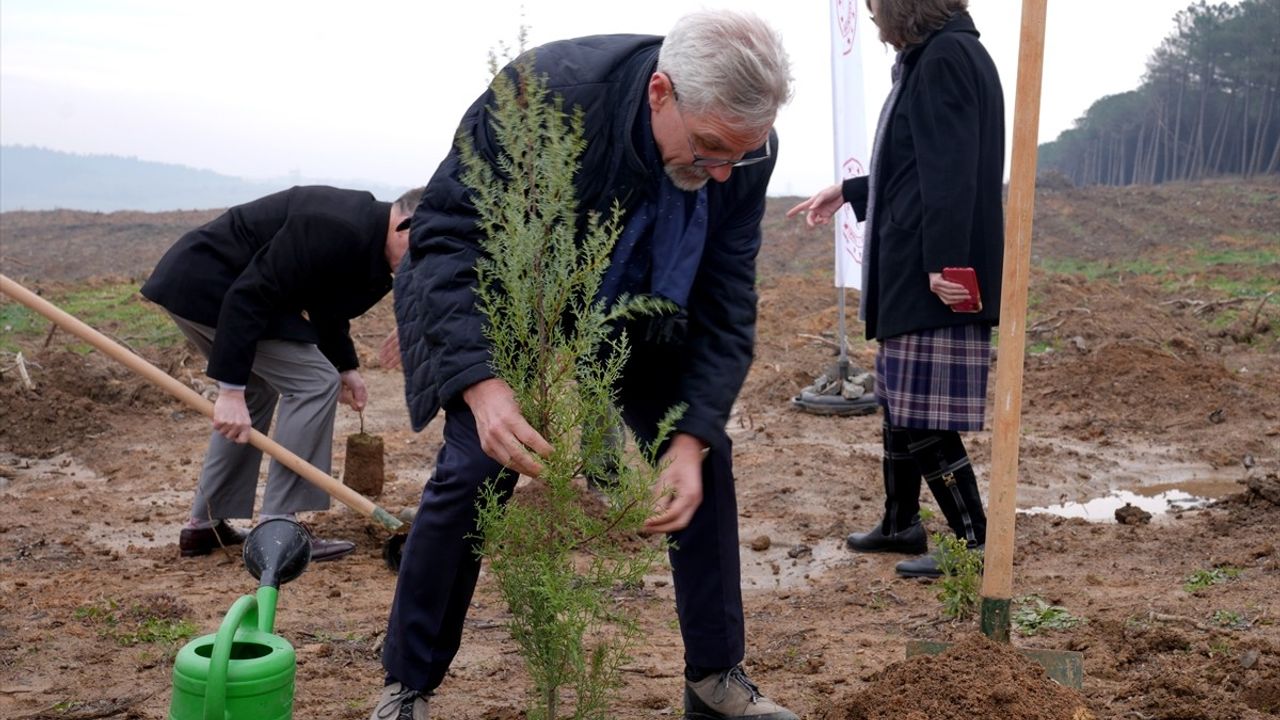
[[442, 345]]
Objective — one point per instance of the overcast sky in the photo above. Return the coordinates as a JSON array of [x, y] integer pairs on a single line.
[[372, 90]]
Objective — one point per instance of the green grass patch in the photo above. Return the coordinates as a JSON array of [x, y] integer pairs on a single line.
[[1089, 269], [1202, 579], [1224, 319], [1221, 648], [1252, 286], [138, 624], [115, 309], [1230, 619], [1104, 269], [1040, 347], [1195, 267], [17, 320], [1035, 299], [1034, 616], [159, 631], [1252, 257]]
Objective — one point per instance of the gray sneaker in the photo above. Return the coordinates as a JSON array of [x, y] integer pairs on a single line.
[[730, 696], [398, 702]]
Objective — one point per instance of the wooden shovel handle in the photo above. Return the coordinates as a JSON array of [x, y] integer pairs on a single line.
[[191, 398]]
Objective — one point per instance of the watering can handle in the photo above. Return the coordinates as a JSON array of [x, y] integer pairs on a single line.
[[215, 698]]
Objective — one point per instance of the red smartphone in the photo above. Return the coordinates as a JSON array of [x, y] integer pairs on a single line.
[[966, 277]]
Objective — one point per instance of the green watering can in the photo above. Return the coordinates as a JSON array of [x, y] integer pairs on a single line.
[[243, 672]]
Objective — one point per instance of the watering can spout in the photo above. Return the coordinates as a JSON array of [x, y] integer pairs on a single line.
[[277, 551]]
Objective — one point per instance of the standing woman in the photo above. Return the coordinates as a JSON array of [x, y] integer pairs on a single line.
[[931, 201]]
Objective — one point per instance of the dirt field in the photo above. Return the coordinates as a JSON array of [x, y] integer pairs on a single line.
[[1153, 366]]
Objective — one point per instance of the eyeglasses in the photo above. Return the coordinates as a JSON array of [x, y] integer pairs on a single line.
[[707, 162]]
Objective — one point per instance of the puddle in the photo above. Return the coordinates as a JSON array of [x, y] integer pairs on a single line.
[[21, 474], [775, 568], [150, 520], [1156, 499]]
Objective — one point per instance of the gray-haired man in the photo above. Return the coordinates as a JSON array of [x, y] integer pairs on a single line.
[[662, 118]]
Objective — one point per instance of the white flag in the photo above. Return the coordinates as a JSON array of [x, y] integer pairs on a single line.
[[848, 23]]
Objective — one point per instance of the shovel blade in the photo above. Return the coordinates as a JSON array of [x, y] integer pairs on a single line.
[[1065, 667]]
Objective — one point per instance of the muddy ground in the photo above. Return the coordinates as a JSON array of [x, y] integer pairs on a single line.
[[1152, 370]]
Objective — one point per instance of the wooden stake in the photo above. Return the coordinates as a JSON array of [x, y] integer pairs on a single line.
[[997, 578]]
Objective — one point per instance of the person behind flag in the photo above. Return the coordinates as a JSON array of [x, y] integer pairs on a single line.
[[932, 200]]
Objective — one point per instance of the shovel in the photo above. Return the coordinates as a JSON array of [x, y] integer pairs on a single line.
[[158, 377], [1064, 666]]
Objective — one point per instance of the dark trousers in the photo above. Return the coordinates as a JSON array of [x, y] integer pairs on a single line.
[[439, 567]]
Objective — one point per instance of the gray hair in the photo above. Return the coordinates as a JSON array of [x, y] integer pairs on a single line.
[[727, 64], [408, 202]]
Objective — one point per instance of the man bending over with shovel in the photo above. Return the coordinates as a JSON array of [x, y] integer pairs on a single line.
[[266, 292]]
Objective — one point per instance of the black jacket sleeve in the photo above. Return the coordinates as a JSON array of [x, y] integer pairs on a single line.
[[854, 190], [335, 342], [944, 123], [274, 283]]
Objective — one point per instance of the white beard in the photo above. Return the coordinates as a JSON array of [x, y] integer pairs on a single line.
[[687, 177]]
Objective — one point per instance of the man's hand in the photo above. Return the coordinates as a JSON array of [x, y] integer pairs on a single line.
[[231, 416], [389, 352], [353, 392], [678, 492], [504, 434], [819, 209]]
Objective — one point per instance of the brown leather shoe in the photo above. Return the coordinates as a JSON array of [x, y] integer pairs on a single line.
[[202, 541]]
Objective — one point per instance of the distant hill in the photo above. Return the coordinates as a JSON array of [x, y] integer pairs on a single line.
[[33, 178], [1071, 224]]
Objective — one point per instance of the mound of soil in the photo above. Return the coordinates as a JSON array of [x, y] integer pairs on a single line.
[[975, 678], [72, 397], [45, 420]]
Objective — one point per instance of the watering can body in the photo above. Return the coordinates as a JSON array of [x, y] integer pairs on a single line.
[[243, 672]]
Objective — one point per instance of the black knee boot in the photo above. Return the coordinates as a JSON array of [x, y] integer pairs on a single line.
[[945, 465], [946, 468], [900, 529]]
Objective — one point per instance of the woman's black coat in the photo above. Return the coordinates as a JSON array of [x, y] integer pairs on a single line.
[[938, 189]]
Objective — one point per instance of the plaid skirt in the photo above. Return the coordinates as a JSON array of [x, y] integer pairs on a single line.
[[935, 379]]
